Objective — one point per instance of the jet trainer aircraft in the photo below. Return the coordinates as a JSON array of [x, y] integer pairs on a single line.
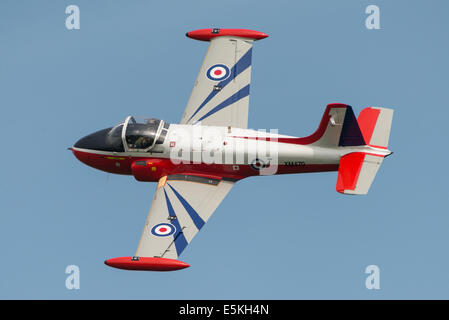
[[197, 162]]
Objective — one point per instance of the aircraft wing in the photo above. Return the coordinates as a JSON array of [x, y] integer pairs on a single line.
[[181, 206], [220, 96]]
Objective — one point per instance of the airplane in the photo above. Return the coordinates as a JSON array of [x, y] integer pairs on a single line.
[[197, 162]]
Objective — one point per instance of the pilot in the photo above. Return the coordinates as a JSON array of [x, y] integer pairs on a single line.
[[142, 142]]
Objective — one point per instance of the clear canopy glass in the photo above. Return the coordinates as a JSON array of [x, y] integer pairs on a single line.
[[139, 133]]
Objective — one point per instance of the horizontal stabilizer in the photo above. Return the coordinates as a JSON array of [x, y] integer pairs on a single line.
[[357, 171]]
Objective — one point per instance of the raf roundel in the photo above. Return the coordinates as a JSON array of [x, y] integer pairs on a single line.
[[163, 229], [218, 72], [258, 164]]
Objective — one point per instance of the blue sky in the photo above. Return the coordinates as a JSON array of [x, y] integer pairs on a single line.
[[283, 237]]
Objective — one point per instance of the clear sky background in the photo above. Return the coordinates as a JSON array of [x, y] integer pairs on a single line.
[[282, 237]]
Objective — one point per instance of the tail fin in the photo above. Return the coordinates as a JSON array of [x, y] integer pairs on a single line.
[[375, 124], [358, 169], [338, 127]]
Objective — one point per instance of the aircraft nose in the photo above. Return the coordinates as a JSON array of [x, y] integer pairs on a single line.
[[94, 141]]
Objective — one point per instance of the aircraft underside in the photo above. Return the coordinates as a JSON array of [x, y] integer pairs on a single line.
[[151, 169], [197, 162]]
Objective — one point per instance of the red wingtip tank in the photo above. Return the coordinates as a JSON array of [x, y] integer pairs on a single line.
[[208, 34], [146, 264]]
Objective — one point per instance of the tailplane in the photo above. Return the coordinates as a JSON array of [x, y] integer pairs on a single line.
[[357, 171]]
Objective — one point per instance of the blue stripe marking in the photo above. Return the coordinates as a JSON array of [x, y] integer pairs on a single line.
[[180, 239], [350, 133], [239, 67], [242, 93], [199, 223]]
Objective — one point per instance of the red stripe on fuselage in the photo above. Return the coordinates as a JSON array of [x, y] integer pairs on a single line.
[[314, 137], [380, 147]]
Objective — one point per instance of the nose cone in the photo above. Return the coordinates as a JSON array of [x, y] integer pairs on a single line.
[[90, 151], [100, 140], [94, 141]]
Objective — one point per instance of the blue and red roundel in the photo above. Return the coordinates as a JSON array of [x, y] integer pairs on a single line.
[[218, 72], [258, 164], [163, 229]]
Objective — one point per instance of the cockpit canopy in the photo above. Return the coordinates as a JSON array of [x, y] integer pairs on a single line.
[[136, 134], [142, 134]]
